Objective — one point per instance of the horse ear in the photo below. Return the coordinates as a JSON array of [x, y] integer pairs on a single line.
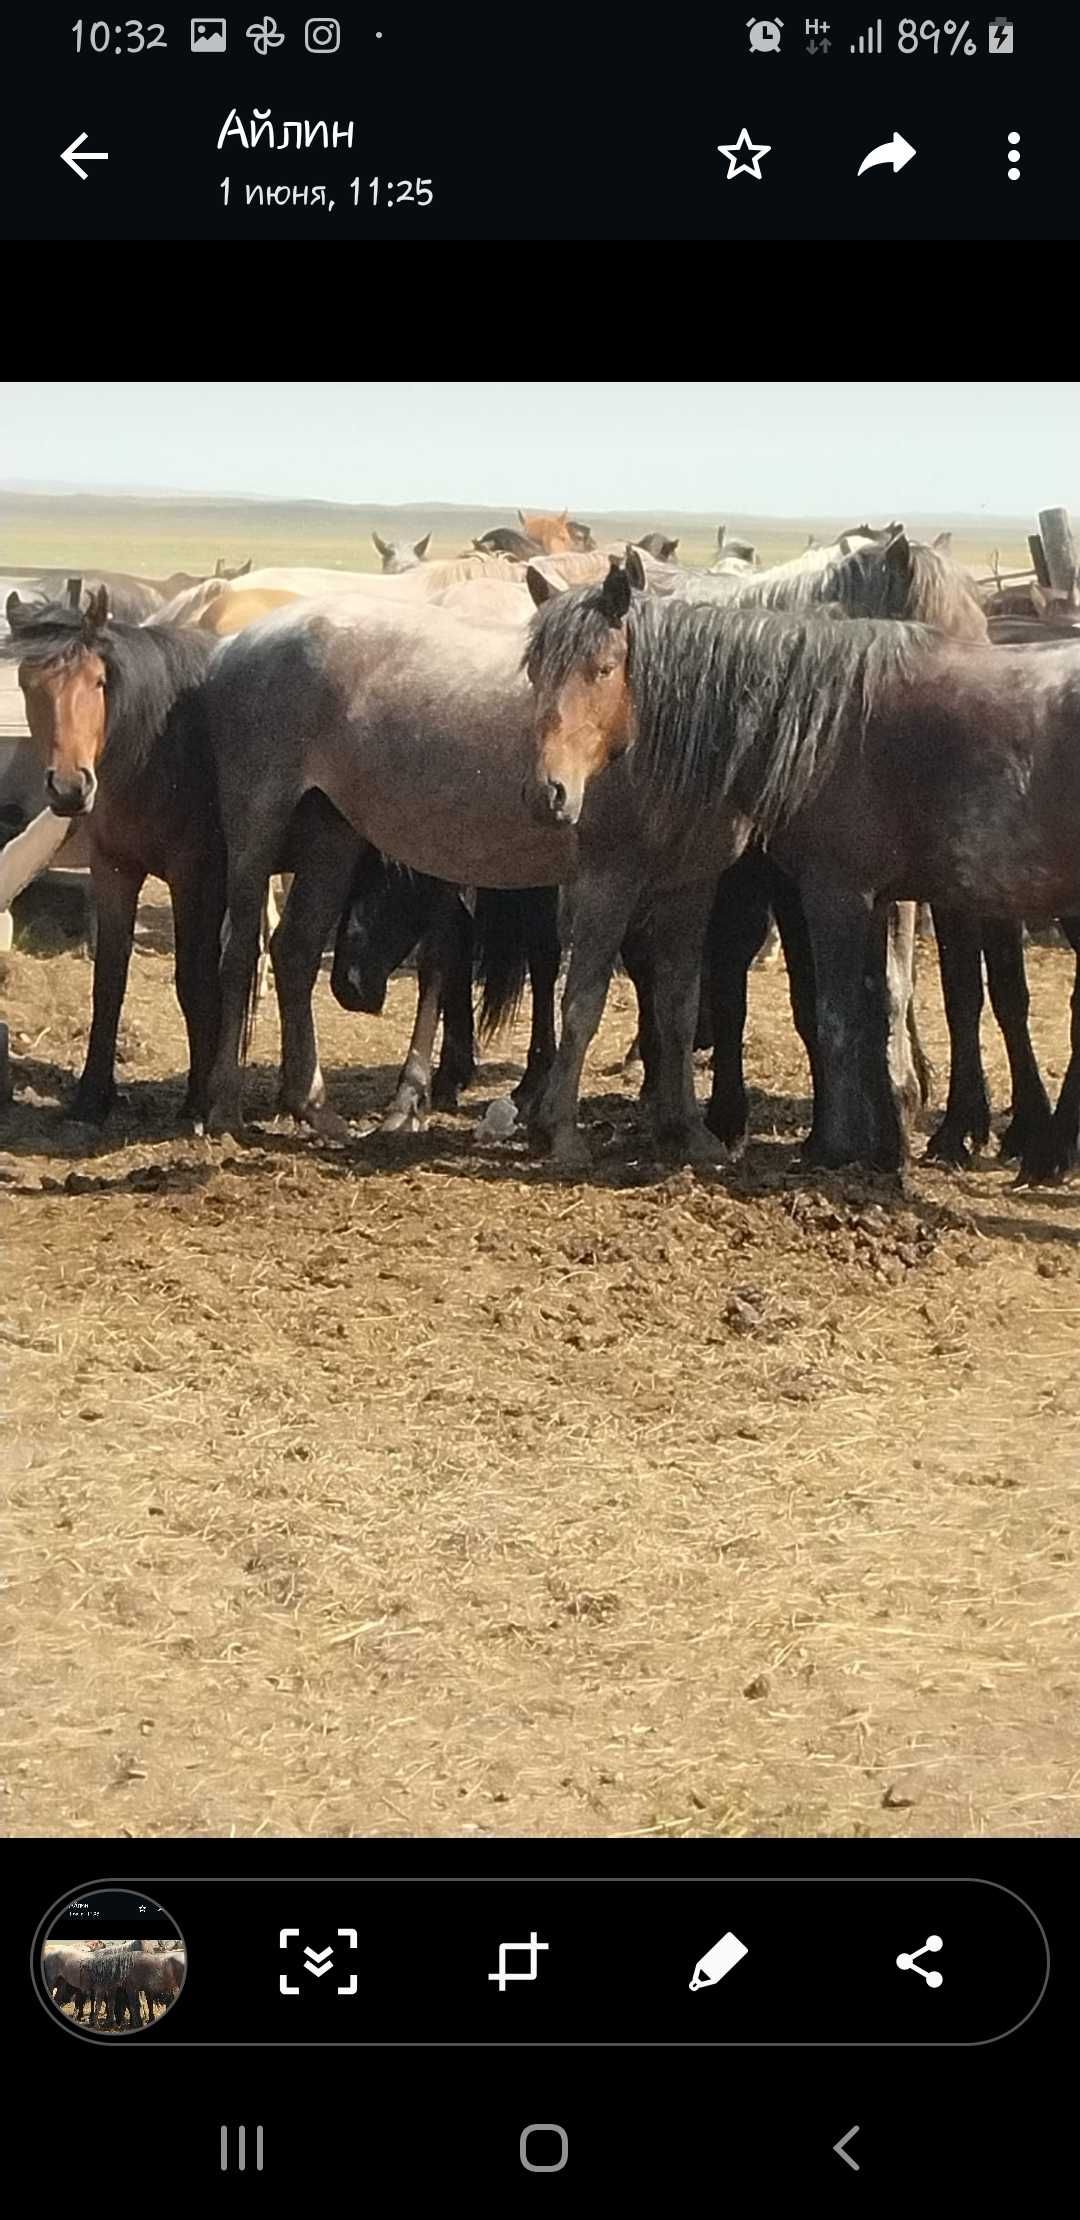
[[521, 518], [244, 568], [421, 547], [15, 613], [898, 554], [943, 543], [635, 569], [381, 545], [540, 587], [615, 594], [219, 567], [672, 550], [97, 609], [721, 531]]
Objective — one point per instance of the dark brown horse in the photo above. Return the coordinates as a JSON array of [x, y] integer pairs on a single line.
[[113, 709], [880, 761]]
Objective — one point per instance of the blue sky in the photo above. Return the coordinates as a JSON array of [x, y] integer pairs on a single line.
[[780, 449]]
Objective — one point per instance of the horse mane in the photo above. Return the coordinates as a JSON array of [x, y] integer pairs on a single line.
[[751, 708], [148, 667], [935, 592]]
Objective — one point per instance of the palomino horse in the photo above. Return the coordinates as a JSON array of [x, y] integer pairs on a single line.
[[113, 709], [880, 760], [221, 610], [553, 533], [400, 555]]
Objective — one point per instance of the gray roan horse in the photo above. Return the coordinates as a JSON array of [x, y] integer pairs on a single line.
[[881, 762], [417, 728], [399, 555]]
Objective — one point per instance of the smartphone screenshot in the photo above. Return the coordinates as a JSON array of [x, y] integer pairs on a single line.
[[539, 1106]]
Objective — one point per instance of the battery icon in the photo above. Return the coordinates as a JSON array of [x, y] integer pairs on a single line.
[[1001, 35]]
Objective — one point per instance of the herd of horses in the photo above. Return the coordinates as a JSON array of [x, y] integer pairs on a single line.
[[109, 1982], [616, 756]]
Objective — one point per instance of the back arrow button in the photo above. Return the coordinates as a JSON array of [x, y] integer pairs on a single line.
[[844, 2153], [79, 147]]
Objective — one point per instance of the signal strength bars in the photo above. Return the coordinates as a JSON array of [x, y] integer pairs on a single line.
[[871, 41]]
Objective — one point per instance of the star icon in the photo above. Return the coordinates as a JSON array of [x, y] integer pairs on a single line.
[[744, 145]]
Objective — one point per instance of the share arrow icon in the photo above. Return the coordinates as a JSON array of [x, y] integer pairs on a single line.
[[79, 147], [895, 151]]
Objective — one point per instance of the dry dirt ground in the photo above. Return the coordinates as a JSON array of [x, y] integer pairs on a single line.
[[406, 1488]]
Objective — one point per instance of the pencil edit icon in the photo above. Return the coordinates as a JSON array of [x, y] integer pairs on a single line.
[[719, 1960]]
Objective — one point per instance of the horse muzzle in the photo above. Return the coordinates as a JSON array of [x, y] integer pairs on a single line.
[[554, 803], [71, 793]]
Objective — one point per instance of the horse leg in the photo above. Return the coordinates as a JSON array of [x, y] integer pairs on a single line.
[[795, 941], [900, 987], [317, 897], [116, 894], [677, 925], [637, 957], [857, 1121], [967, 1110], [543, 955], [736, 929], [198, 906], [457, 1062], [248, 874], [409, 1109], [1067, 1113], [603, 905], [1029, 1134]]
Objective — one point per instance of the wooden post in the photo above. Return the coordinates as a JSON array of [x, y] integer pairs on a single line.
[[74, 592], [1039, 560], [1060, 549]]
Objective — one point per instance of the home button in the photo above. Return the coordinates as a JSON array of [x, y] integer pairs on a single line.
[[544, 2148]]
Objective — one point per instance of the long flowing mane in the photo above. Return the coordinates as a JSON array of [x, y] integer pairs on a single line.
[[148, 668], [751, 708], [929, 589]]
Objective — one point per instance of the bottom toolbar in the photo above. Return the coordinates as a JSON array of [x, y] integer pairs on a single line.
[[587, 1962]]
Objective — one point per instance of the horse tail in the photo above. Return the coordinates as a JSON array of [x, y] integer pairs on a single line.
[[505, 925]]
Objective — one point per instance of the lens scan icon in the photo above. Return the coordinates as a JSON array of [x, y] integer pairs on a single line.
[[322, 34]]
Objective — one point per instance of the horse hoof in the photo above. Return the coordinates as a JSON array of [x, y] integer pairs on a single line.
[[90, 1109], [403, 1121], [698, 1146], [730, 1131], [326, 1124], [948, 1148], [570, 1151]]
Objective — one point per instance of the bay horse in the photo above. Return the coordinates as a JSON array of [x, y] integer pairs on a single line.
[[880, 761], [113, 709]]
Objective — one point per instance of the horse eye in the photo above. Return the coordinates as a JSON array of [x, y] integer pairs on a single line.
[[101, 686]]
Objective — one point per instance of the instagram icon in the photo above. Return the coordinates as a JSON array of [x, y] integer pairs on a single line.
[[322, 34]]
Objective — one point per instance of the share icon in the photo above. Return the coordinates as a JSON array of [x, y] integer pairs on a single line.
[[908, 1962]]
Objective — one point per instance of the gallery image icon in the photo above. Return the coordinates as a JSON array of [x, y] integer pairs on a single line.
[[719, 1960], [209, 34], [908, 1962]]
